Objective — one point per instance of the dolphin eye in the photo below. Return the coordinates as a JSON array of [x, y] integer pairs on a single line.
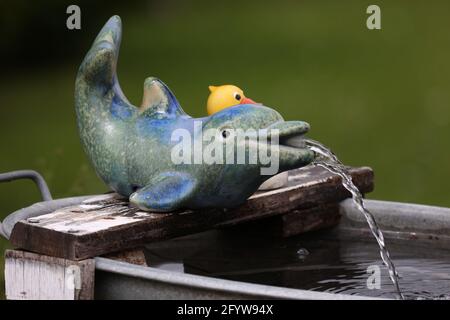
[[237, 96], [225, 133]]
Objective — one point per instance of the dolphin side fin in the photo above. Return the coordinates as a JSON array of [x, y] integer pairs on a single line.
[[158, 98], [168, 191]]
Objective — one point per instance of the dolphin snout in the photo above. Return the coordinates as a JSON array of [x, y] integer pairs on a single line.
[[288, 129]]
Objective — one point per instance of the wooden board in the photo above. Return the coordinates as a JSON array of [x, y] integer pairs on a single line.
[[107, 223], [30, 276]]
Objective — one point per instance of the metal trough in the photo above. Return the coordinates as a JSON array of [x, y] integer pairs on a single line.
[[121, 280]]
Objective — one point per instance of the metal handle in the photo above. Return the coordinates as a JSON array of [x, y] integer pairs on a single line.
[[26, 174]]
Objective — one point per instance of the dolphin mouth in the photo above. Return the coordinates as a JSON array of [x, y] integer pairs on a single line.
[[291, 142], [289, 133]]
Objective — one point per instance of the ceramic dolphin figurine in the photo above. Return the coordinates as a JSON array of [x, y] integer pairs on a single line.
[[131, 148]]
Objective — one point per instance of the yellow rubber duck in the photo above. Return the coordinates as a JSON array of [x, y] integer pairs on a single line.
[[225, 96]]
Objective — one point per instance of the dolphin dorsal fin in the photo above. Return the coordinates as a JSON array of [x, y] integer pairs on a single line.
[[158, 99]]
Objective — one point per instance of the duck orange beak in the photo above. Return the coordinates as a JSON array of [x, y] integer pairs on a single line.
[[247, 101]]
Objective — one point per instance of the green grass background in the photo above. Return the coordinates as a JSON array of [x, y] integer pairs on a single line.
[[379, 98]]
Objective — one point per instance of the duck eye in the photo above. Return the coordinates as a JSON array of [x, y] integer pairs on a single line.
[[237, 96], [225, 134]]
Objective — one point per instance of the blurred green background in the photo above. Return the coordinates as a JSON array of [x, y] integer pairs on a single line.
[[377, 97]]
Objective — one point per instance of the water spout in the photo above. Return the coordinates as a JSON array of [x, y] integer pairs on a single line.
[[328, 160]]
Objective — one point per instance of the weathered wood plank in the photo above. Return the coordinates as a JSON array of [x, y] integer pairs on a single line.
[[31, 276], [108, 223]]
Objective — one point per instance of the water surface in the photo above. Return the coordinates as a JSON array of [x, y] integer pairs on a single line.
[[326, 261]]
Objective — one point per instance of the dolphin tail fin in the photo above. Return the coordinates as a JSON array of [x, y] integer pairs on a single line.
[[99, 66], [97, 74]]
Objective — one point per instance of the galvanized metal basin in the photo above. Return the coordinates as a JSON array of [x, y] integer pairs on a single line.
[[120, 280]]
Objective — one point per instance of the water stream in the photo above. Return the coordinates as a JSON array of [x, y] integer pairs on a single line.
[[329, 161]]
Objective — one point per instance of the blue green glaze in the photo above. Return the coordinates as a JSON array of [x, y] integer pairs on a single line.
[[130, 147]]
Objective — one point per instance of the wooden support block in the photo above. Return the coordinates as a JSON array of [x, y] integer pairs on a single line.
[[31, 276], [298, 221], [133, 256], [107, 223], [294, 222]]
